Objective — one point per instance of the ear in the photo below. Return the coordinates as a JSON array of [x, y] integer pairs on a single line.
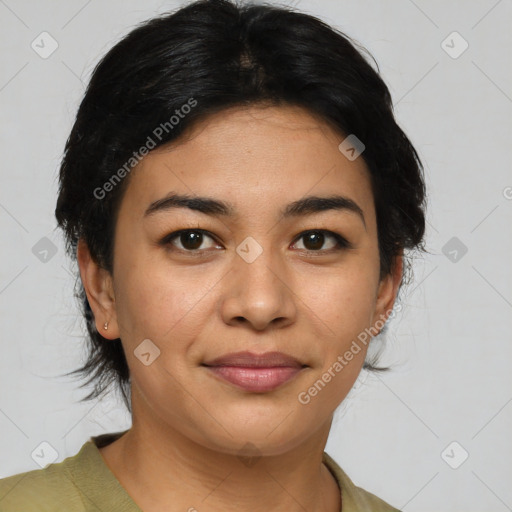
[[387, 292], [99, 288]]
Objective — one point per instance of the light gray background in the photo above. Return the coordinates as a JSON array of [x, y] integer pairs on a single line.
[[450, 343]]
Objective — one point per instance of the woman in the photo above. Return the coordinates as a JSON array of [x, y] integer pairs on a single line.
[[238, 197]]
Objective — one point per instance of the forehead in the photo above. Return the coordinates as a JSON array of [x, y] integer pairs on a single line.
[[254, 155]]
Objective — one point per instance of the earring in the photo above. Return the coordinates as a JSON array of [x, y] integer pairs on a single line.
[[105, 326]]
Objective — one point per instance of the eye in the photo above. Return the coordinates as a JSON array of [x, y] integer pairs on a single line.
[[314, 241], [190, 240], [193, 241]]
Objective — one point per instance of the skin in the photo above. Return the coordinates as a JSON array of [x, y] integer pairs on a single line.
[[189, 427]]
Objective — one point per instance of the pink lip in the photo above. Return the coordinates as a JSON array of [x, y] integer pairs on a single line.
[[255, 379], [255, 372]]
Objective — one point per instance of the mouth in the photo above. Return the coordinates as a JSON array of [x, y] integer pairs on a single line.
[[257, 373]]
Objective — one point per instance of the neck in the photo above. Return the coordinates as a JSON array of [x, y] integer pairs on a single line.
[[163, 469]]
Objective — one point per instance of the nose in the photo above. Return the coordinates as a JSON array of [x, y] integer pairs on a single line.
[[259, 294]]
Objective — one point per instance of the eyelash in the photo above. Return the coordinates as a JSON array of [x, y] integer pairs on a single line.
[[341, 242]]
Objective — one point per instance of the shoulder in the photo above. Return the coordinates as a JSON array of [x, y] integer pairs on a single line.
[[80, 483], [367, 501], [354, 498], [41, 490]]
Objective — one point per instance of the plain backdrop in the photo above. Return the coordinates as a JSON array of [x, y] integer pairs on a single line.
[[430, 434]]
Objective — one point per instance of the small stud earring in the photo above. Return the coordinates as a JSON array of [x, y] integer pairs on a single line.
[[105, 326]]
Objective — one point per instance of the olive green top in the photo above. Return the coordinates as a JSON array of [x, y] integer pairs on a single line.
[[84, 483]]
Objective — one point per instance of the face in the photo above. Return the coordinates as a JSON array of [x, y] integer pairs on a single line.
[[268, 269]]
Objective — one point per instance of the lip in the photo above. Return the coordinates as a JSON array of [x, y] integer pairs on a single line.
[[255, 372], [251, 360]]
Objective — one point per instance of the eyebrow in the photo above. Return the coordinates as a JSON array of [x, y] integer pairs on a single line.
[[216, 208]]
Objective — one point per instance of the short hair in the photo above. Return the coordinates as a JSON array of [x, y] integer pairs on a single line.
[[212, 55]]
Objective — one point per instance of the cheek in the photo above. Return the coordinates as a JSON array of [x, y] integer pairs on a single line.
[[155, 303], [345, 303], [344, 299]]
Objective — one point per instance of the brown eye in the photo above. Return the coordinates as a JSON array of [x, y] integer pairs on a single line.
[[196, 240], [189, 240], [315, 240]]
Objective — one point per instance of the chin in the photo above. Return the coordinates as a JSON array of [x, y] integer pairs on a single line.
[[256, 439]]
